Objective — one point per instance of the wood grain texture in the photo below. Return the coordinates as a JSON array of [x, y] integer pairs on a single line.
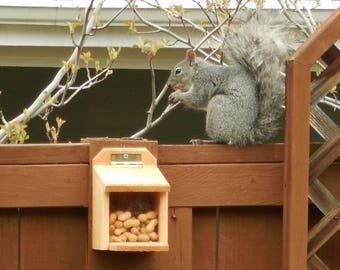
[[330, 178], [329, 78], [322, 158], [180, 242], [44, 153], [53, 238], [296, 167], [329, 252], [224, 184], [192, 186], [321, 197], [204, 239], [315, 263], [250, 238], [9, 239], [218, 153], [43, 185], [326, 228]]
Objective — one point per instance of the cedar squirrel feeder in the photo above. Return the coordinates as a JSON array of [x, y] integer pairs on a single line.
[[129, 202]]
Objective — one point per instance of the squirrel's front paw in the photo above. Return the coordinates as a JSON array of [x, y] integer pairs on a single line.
[[174, 97]]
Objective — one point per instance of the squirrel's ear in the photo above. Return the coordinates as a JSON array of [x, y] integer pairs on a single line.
[[191, 56]]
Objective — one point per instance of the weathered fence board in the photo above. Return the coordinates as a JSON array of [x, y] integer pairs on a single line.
[[44, 185], [230, 184], [53, 238], [250, 238], [214, 154], [63, 153], [9, 239], [204, 239]]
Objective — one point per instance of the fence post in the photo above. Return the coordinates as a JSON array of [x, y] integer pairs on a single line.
[[296, 167]]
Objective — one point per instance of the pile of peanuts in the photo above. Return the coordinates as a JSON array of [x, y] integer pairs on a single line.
[[127, 228]]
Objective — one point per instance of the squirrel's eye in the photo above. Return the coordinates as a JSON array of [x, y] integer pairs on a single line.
[[178, 71]]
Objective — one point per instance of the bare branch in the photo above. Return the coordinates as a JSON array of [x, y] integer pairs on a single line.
[[153, 94], [2, 117], [155, 122], [113, 18]]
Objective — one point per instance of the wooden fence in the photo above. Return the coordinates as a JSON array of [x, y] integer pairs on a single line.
[[225, 208]]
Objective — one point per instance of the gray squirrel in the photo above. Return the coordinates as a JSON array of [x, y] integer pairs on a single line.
[[243, 100]]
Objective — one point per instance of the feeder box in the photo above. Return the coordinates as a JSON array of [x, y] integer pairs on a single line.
[[128, 193]]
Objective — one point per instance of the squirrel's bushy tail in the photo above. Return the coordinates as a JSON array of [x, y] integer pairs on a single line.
[[262, 45]]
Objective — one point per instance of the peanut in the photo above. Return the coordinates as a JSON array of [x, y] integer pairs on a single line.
[[131, 222], [118, 224], [119, 231], [112, 229], [124, 216], [151, 214], [143, 230], [118, 212], [153, 236], [131, 237], [151, 226], [121, 238], [138, 228], [142, 218], [135, 230], [113, 218], [143, 238]]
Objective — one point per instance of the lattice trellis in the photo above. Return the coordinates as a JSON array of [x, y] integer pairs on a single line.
[[321, 159]]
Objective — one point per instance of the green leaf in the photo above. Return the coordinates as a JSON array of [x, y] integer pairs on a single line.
[[16, 132], [74, 67], [259, 3], [178, 10], [86, 57], [97, 65], [60, 121], [73, 26], [67, 65], [132, 26], [333, 90], [113, 53], [47, 127], [149, 46], [108, 73]]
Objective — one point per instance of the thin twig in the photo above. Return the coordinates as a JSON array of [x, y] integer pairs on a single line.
[[153, 94], [2, 117], [113, 18], [205, 12], [166, 111]]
